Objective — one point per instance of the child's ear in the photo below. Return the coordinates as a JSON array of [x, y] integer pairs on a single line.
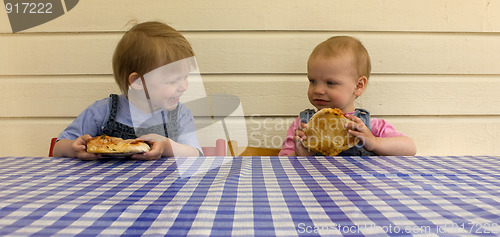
[[360, 85], [134, 82]]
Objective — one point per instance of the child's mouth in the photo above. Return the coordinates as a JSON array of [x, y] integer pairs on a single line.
[[174, 99]]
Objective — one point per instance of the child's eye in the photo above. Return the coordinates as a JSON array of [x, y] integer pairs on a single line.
[[181, 78], [175, 80], [312, 81], [169, 82], [331, 83]]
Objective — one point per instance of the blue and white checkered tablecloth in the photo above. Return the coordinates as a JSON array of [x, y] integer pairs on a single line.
[[246, 196]]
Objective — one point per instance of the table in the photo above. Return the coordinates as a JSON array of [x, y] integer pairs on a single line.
[[251, 196]]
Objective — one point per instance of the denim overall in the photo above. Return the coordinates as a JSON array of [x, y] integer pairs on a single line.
[[116, 129], [357, 150]]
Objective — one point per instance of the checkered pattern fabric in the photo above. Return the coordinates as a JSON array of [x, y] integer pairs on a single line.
[[251, 196]]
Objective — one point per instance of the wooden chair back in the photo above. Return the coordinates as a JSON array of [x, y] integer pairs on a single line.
[[235, 150]]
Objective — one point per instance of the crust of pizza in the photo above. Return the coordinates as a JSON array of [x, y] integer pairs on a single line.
[[113, 145], [327, 134]]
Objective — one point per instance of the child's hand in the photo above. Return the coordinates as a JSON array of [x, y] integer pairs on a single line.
[[300, 150], [361, 131], [159, 145], [79, 147]]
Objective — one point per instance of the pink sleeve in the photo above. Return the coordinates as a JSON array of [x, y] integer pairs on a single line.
[[288, 145], [382, 128]]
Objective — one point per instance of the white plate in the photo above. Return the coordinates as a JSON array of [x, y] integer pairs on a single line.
[[118, 155]]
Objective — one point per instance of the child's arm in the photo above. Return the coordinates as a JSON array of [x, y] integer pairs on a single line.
[[392, 146], [384, 146], [163, 146], [292, 146], [74, 148]]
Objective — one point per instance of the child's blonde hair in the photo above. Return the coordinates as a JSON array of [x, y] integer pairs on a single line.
[[145, 47], [339, 45]]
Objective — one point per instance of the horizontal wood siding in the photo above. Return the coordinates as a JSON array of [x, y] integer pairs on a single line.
[[435, 65]]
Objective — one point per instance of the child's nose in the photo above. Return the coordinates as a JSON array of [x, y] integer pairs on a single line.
[[319, 89], [182, 86]]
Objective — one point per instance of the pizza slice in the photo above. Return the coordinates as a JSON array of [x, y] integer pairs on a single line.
[[326, 133], [113, 145]]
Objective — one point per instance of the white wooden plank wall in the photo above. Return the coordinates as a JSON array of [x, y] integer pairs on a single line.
[[436, 65]]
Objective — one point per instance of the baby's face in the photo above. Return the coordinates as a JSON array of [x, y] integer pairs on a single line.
[[332, 82], [167, 84]]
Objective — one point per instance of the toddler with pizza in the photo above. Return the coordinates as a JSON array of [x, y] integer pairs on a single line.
[[151, 65], [338, 70]]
